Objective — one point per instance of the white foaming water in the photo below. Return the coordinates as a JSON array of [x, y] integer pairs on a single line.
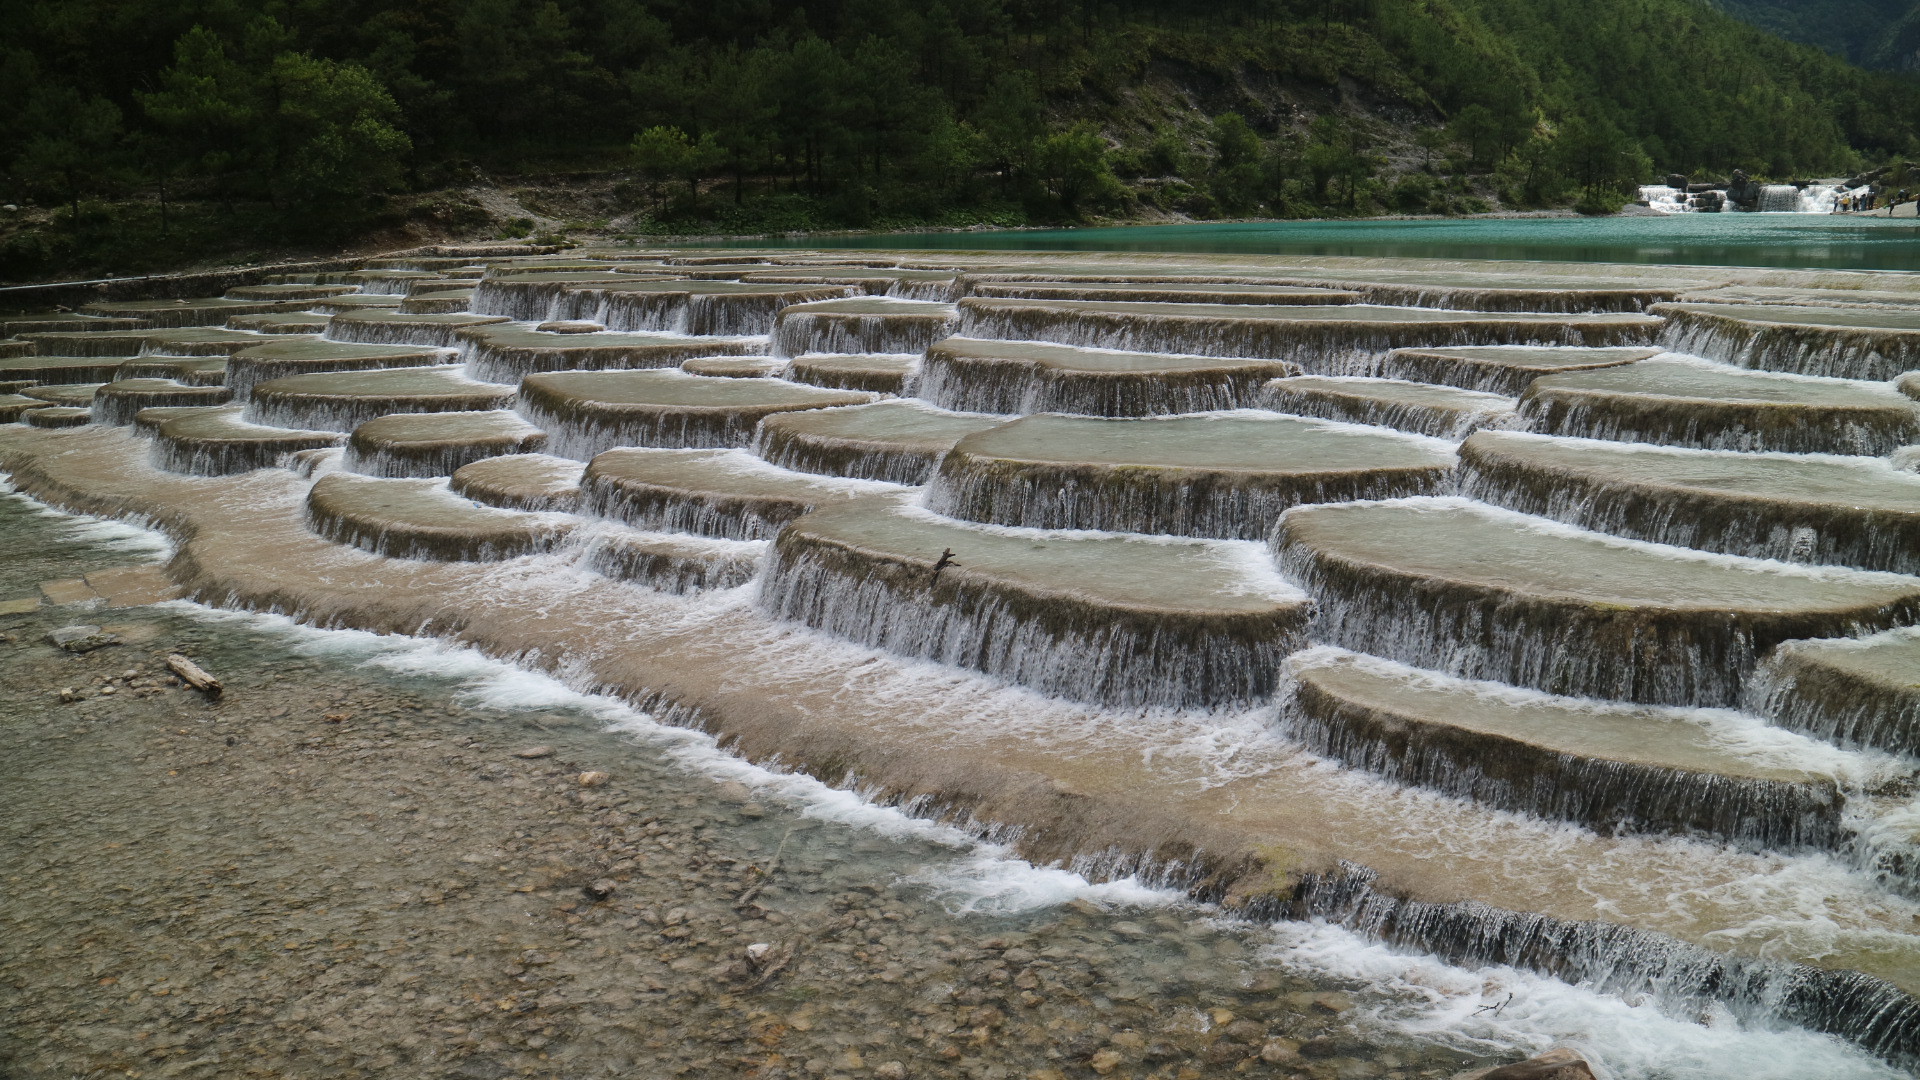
[[148, 545], [1407, 994], [1728, 729], [1721, 367], [986, 881], [1469, 1008], [1812, 199]]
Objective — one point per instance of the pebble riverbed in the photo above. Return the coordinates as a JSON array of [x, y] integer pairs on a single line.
[[349, 867]]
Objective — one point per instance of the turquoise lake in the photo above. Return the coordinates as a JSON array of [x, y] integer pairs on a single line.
[[1784, 240]]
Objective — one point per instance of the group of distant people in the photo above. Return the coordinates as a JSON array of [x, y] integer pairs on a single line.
[[1865, 201]]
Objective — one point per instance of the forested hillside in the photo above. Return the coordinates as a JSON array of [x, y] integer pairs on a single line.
[[203, 121], [1883, 34]]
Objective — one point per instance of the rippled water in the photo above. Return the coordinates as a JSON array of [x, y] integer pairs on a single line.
[[1782, 240]]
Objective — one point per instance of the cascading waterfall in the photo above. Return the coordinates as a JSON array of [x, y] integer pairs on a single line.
[[1032, 377], [1433, 411], [866, 326], [1051, 640], [734, 314], [1331, 340], [1230, 500], [1754, 525], [508, 358], [829, 457], [1515, 772], [1143, 502], [1780, 199], [345, 412], [690, 491], [116, 403], [676, 564], [442, 444], [243, 373], [218, 443], [1012, 582], [1620, 960], [1793, 688], [1683, 651], [1774, 199], [423, 519], [1749, 340], [435, 331]]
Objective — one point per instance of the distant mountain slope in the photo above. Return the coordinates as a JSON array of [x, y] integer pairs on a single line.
[[1898, 46], [1882, 34]]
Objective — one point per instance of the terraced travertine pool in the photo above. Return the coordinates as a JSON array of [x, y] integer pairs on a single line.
[[1607, 707]]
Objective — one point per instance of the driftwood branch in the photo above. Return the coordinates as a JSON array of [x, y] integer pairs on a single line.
[[946, 560], [766, 875], [194, 675]]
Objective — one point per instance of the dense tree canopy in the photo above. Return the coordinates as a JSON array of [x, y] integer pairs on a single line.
[[879, 109]]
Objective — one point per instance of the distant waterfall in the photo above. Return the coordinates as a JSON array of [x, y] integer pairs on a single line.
[[1774, 199], [1780, 199]]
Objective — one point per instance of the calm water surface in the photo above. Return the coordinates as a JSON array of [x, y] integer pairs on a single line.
[[1782, 240]]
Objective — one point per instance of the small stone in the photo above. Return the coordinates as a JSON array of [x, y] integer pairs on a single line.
[[1333, 1001], [890, 1070], [532, 752], [1559, 1063], [69, 695], [758, 951], [1323, 1046], [1246, 1031], [734, 791], [81, 639], [1105, 1061], [570, 326], [1128, 930], [752, 811], [592, 778], [600, 890], [1280, 1052], [1223, 1052]]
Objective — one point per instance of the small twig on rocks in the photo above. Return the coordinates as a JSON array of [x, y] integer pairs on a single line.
[[766, 876], [194, 675], [1495, 1009]]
